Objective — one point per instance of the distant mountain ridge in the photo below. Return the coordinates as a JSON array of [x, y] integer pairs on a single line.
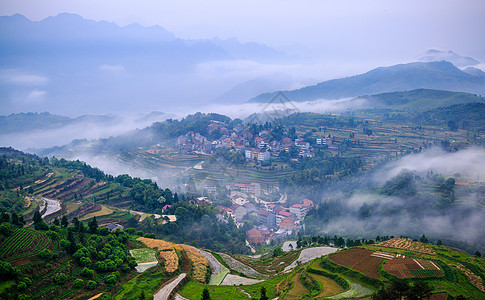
[[440, 75], [71, 32], [421, 99]]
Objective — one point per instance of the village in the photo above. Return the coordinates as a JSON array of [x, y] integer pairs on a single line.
[[259, 144], [272, 220]]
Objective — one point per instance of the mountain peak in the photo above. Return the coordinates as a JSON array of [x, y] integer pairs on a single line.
[[438, 75], [458, 60]]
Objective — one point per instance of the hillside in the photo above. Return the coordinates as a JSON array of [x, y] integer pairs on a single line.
[[419, 75], [78, 262], [421, 99]]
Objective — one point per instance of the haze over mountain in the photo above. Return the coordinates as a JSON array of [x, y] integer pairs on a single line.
[[440, 75], [70, 65], [456, 59]]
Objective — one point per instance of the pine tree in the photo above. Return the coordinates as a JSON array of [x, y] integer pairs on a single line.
[[64, 221], [93, 225], [263, 294], [205, 294]]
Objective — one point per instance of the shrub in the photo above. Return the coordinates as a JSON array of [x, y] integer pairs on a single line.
[[6, 229], [92, 284], [60, 278], [7, 271], [27, 280], [86, 272], [85, 261], [46, 254], [22, 285], [125, 268], [78, 283]]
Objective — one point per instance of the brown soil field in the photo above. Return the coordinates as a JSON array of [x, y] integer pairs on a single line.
[[412, 268], [329, 287], [360, 260], [199, 262], [407, 244], [475, 279], [166, 252]]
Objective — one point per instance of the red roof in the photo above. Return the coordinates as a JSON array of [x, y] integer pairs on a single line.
[[284, 213], [307, 202], [297, 205], [264, 213], [254, 233]]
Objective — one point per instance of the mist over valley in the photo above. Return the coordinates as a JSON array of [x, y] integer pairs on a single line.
[[270, 150]]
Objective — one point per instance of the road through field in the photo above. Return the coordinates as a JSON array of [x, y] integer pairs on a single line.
[[164, 292], [52, 206], [309, 254]]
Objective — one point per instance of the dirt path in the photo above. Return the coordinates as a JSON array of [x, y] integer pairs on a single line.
[[238, 266], [309, 254], [165, 291], [231, 279], [219, 271], [52, 207]]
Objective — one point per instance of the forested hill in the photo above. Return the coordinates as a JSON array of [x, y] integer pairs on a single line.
[[404, 77], [84, 191]]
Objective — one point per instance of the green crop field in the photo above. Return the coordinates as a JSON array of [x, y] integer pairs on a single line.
[[23, 244]]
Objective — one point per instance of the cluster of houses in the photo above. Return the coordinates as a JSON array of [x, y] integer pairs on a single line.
[[274, 220], [254, 147]]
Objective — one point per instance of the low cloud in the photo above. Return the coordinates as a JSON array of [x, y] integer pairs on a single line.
[[318, 106], [468, 162], [36, 96], [112, 68]]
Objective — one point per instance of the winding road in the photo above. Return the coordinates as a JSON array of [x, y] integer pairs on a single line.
[[165, 291]]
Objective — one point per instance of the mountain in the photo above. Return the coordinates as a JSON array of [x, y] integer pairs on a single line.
[[251, 88], [73, 33], [456, 59], [16, 123], [441, 75], [69, 65], [421, 99]]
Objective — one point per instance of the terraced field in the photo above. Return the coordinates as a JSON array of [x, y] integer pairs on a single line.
[[412, 268], [23, 245], [359, 259]]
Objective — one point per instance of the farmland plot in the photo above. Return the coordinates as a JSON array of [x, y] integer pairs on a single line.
[[199, 262], [167, 252], [412, 268], [145, 258], [238, 266], [362, 260], [219, 271], [23, 245]]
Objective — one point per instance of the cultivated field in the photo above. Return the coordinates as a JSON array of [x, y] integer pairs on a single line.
[[23, 245], [358, 259], [407, 244], [166, 252], [238, 266], [412, 268], [199, 262]]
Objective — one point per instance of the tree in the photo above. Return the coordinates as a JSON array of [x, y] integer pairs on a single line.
[[6, 229], [478, 254], [205, 294], [64, 221], [277, 252], [93, 225], [263, 294], [420, 290]]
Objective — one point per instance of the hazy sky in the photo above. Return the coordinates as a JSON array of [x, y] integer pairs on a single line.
[[390, 30]]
